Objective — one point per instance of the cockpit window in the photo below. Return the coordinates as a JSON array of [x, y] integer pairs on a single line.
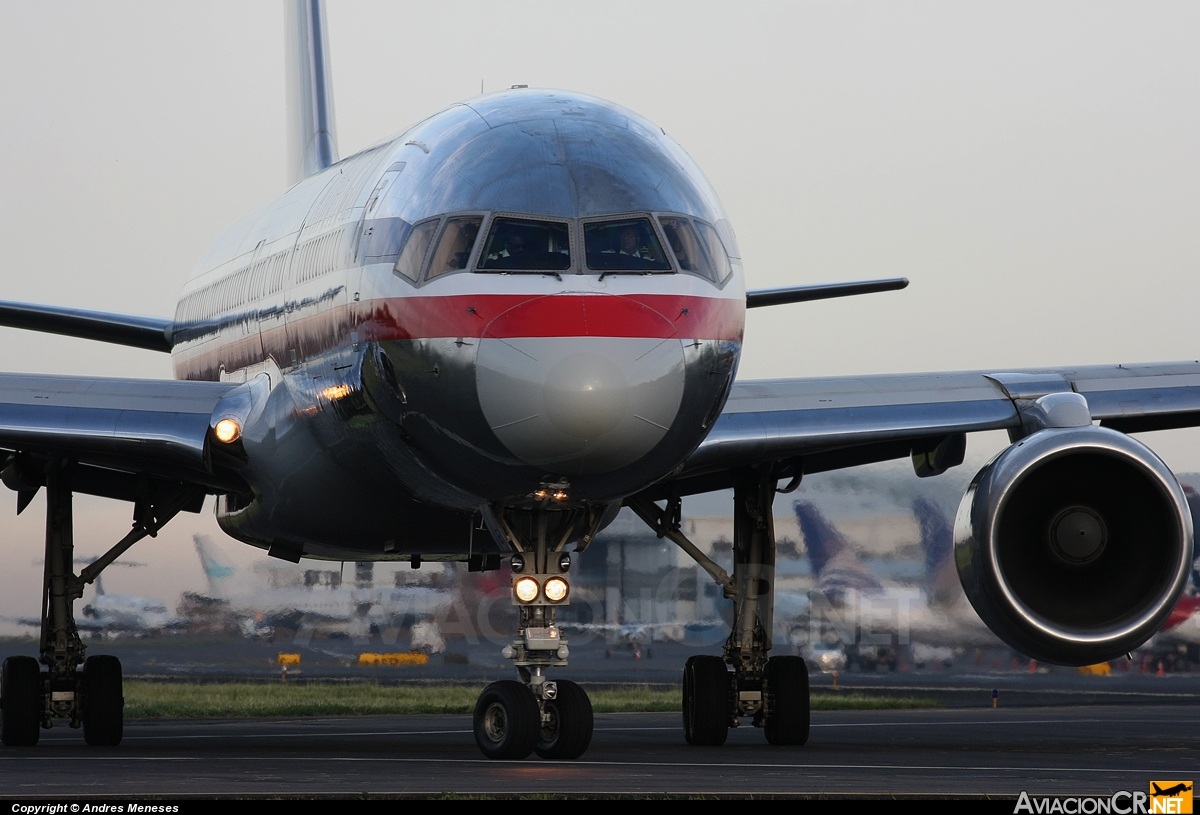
[[716, 250], [628, 245], [685, 245], [696, 247], [415, 249], [454, 249], [520, 245]]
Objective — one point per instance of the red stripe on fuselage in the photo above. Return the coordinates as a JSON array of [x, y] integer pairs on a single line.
[[555, 315]]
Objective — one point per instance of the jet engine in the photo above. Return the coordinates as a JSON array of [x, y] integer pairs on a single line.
[[1073, 545]]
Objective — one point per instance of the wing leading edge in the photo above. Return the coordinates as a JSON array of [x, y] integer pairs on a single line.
[[828, 423]]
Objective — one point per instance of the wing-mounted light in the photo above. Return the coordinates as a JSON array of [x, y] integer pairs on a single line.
[[234, 416]]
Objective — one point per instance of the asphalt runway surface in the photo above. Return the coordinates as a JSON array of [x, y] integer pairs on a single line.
[[1077, 750]]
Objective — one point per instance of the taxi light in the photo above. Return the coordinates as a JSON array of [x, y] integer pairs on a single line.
[[540, 495], [556, 589], [526, 589], [227, 431], [561, 495]]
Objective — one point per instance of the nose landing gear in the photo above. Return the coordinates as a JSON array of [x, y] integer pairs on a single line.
[[553, 719]]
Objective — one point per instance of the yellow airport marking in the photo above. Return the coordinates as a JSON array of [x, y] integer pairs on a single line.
[[405, 658]]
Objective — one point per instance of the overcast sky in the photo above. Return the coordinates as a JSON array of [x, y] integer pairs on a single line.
[[1032, 168]]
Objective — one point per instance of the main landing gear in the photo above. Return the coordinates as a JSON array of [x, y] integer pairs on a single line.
[[537, 715], [772, 691], [91, 698]]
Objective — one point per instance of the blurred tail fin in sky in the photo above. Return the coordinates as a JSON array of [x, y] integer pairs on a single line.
[[218, 571], [937, 543], [836, 567]]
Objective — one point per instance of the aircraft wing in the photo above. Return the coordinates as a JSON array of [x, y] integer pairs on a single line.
[[828, 423], [114, 429]]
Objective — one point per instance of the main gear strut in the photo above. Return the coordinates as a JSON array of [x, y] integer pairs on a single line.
[[772, 691], [90, 698]]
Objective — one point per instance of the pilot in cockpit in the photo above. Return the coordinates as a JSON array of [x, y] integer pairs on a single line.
[[631, 243], [681, 254], [514, 244]]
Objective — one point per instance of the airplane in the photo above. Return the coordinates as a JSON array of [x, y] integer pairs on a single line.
[[851, 606], [1170, 791], [115, 614], [445, 347], [350, 610]]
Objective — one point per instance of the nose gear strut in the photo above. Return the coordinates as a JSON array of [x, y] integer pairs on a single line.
[[553, 719]]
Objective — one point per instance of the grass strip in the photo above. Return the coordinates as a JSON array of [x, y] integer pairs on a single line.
[[242, 699]]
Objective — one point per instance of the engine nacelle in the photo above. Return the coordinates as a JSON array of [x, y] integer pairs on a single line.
[[1073, 545]]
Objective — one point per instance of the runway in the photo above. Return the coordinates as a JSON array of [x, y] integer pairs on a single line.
[[1078, 750]]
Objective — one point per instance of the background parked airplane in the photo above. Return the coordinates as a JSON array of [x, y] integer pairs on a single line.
[[305, 601]]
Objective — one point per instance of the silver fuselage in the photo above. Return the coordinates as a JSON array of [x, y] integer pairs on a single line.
[[389, 411]]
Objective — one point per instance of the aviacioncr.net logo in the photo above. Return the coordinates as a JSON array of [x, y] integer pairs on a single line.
[[1164, 798]]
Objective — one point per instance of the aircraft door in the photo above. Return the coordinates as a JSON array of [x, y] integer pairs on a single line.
[[375, 241]]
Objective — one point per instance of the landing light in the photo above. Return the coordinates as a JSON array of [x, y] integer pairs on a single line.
[[556, 589], [561, 495], [227, 431], [526, 589]]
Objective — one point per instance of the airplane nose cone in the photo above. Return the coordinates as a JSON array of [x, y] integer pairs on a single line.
[[580, 383], [586, 395]]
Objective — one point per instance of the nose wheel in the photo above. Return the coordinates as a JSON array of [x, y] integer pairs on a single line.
[[510, 723], [507, 720], [566, 729]]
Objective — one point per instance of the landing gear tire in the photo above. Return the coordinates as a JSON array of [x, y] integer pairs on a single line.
[[20, 702], [788, 718], [103, 701], [566, 730], [706, 701], [507, 720]]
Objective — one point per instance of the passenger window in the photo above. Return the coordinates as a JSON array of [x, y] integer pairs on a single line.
[[521, 245], [454, 249], [628, 245], [685, 245], [415, 249], [716, 251]]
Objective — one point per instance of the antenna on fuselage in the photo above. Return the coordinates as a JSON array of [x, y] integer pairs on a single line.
[[312, 136]]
